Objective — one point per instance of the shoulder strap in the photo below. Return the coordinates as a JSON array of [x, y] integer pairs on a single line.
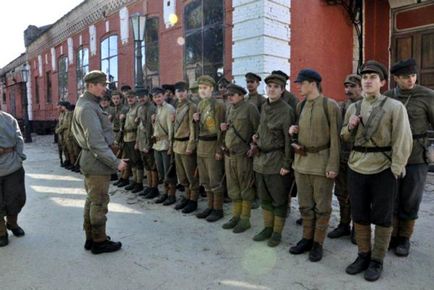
[[326, 109], [358, 107]]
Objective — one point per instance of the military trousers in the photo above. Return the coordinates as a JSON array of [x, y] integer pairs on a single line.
[[273, 191], [185, 170], [135, 160], [372, 197], [148, 160], [163, 162], [96, 206], [315, 195], [12, 193], [211, 174], [341, 193], [240, 177], [410, 191]]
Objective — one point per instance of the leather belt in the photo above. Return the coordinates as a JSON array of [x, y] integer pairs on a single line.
[[208, 138], [271, 149], [130, 130], [6, 150], [372, 149], [316, 149], [183, 139]]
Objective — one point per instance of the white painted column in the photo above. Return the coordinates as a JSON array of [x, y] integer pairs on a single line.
[[261, 35]]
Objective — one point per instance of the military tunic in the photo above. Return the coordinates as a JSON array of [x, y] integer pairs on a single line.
[[256, 99], [63, 125], [145, 131], [290, 99], [130, 137]]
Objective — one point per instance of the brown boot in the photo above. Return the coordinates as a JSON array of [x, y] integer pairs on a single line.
[[208, 210], [217, 212], [268, 226], [276, 236], [236, 213]]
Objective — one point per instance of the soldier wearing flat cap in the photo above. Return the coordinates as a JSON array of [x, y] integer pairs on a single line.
[[273, 159], [287, 96], [241, 123], [194, 94], [379, 129], [92, 130], [316, 161], [252, 84], [353, 92], [419, 101], [169, 94], [222, 85], [211, 113], [184, 148]]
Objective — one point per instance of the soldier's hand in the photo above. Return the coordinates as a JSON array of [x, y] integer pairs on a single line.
[[136, 146], [110, 117], [123, 164], [331, 174], [121, 116], [196, 117], [284, 171], [255, 138], [172, 118], [218, 156], [224, 126], [353, 122], [145, 151], [293, 130], [136, 120], [169, 151], [153, 117], [188, 152]]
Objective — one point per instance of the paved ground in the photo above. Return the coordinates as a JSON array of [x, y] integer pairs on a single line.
[[164, 249]]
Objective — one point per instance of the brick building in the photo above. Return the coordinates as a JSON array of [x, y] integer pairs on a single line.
[[187, 38]]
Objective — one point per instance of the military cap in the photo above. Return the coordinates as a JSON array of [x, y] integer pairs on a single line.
[[130, 93], [354, 79], [253, 76], [276, 79], [107, 96], [223, 82], [194, 85], [181, 86], [308, 74], [281, 73], [141, 92], [372, 66], [96, 77], [157, 90], [116, 93], [168, 87], [125, 88], [235, 89], [404, 67], [206, 80]]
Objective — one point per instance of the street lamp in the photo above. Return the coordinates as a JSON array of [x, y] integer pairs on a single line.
[[138, 23], [24, 80]]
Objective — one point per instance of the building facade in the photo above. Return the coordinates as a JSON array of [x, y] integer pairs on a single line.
[[187, 38]]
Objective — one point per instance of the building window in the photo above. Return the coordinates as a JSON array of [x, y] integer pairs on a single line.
[[109, 57], [82, 68], [63, 78], [36, 90], [4, 96], [48, 87], [204, 39]]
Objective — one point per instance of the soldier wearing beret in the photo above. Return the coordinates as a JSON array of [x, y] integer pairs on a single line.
[[241, 123], [316, 161], [211, 113], [92, 130], [353, 92], [184, 148], [419, 102], [273, 159], [287, 96], [12, 185], [252, 83], [379, 129]]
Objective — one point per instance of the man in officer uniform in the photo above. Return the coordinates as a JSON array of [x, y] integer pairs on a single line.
[[92, 130], [353, 92], [252, 84], [184, 148], [419, 102], [273, 159], [211, 113], [316, 161], [241, 123], [382, 142]]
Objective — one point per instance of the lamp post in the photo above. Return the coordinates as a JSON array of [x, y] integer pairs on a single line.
[[138, 23], [27, 129]]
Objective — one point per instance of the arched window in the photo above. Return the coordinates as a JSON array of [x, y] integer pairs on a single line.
[[109, 57], [82, 68], [204, 38], [62, 77]]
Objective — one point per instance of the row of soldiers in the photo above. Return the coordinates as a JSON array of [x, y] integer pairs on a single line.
[[258, 145]]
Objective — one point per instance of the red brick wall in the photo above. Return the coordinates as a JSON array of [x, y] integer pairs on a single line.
[[322, 39]]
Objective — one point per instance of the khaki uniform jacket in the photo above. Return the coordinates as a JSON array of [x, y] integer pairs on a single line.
[[315, 131], [276, 118], [145, 130], [256, 99], [130, 127], [290, 99], [244, 118], [419, 103], [163, 127], [345, 146], [64, 123], [394, 130], [91, 129], [115, 113], [184, 127], [10, 136], [212, 114]]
